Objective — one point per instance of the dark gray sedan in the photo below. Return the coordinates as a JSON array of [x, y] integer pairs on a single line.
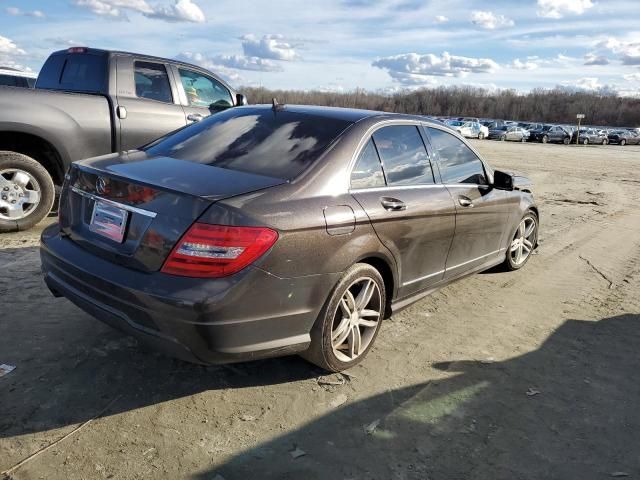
[[264, 231]]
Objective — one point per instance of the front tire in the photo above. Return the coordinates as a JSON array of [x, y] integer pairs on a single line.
[[27, 192], [566, 140], [545, 139], [605, 141], [585, 141], [350, 321], [623, 142], [503, 138], [524, 241], [481, 136]]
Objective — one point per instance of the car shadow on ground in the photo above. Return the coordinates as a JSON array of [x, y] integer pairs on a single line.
[[566, 410], [70, 366]]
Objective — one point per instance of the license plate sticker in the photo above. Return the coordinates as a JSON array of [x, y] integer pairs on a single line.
[[108, 221]]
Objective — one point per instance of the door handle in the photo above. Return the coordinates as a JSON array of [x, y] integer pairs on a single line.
[[393, 204], [194, 117], [465, 201]]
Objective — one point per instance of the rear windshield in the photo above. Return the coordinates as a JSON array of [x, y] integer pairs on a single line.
[[75, 72], [259, 141]]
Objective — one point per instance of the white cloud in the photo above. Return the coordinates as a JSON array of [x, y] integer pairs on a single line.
[[560, 8], [594, 59], [181, 11], [10, 53], [632, 77], [628, 52], [16, 12], [242, 62], [526, 65], [227, 73], [441, 19], [412, 68], [490, 20], [272, 47]]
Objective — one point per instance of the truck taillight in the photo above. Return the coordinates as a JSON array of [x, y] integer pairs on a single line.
[[218, 250], [77, 50]]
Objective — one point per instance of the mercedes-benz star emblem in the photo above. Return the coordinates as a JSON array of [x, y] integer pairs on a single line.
[[101, 186]]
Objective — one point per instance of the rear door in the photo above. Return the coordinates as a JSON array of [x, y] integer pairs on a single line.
[[412, 215], [148, 102], [482, 213], [201, 95]]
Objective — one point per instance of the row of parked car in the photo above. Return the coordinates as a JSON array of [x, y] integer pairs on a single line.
[[509, 130]]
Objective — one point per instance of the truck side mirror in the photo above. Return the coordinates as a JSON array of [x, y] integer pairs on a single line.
[[241, 100]]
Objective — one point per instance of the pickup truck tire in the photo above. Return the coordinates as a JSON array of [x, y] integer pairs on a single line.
[[22, 179]]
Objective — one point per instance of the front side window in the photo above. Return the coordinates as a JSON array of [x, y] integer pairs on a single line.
[[367, 172], [152, 82], [203, 91], [458, 163], [403, 154]]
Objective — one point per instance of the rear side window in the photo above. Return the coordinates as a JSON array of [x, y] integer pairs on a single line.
[[403, 155], [255, 140], [367, 172], [152, 82], [76, 72], [458, 164], [8, 80]]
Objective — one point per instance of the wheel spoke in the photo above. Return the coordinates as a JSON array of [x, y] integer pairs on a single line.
[[32, 196], [4, 182], [354, 342], [521, 229], [529, 230], [21, 179], [15, 211], [341, 331], [344, 306], [369, 313], [365, 294], [519, 254], [514, 245], [528, 244], [367, 323]]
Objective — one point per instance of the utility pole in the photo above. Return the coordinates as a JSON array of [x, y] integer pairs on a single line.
[[579, 116]]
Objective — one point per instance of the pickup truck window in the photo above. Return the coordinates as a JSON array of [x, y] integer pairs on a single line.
[[74, 72], [203, 91], [152, 82]]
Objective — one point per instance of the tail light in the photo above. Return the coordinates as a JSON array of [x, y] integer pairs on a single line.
[[218, 250]]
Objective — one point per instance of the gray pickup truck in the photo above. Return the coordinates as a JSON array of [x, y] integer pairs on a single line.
[[89, 102]]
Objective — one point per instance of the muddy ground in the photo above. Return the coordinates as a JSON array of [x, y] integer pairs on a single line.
[[526, 375]]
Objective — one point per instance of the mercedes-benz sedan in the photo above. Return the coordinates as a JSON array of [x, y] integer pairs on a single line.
[[266, 231]]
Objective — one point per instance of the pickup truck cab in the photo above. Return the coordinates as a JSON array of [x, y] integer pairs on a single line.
[[89, 102], [12, 77]]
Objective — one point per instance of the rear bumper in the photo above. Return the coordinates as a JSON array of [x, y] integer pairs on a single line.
[[250, 315]]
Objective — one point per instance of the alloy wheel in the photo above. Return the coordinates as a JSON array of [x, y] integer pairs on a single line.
[[356, 319], [523, 241], [20, 194]]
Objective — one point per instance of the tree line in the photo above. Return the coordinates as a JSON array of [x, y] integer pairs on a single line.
[[557, 105]]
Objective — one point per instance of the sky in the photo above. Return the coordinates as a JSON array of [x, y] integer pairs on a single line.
[[341, 45]]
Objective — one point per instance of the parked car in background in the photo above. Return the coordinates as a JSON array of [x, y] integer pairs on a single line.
[[169, 243], [514, 134], [469, 129], [550, 134], [623, 137], [589, 135], [89, 102], [12, 77]]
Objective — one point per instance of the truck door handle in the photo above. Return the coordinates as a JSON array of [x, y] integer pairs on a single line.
[[121, 112], [393, 204], [465, 201], [194, 117]]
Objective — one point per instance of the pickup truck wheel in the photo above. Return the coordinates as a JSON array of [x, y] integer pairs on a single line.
[[26, 192]]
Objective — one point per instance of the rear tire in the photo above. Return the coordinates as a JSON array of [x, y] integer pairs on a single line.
[[585, 141], [623, 142], [605, 142], [481, 136], [21, 178], [566, 140], [503, 138], [545, 139], [327, 350]]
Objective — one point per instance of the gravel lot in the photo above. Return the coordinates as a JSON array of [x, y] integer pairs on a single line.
[[525, 375]]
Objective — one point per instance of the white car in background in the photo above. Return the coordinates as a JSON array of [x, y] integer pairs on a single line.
[[469, 129], [12, 77]]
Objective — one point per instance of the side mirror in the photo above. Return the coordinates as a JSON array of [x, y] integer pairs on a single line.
[[502, 180], [241, 100]]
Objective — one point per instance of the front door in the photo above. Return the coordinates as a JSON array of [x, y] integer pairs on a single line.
[[412, 215], [202, 94], [148, 105], [482, 213]]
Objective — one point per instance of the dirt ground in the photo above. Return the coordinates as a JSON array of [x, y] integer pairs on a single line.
[[526, 375]]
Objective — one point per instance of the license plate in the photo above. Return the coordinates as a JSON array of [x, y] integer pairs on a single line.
[[108, 221]]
